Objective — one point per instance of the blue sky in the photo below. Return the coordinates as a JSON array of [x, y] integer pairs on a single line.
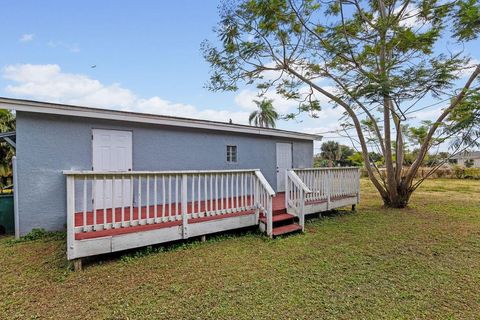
[[147, 59]]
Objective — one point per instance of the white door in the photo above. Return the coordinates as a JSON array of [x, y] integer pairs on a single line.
[[112, 151], [284, 162]]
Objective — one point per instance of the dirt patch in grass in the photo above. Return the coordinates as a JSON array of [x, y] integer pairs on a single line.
[[421, 262]]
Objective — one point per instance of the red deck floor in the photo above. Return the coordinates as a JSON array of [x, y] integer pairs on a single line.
[[278, 206]]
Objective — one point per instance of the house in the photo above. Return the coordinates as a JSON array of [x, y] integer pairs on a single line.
[[119, 180], [467, 159]]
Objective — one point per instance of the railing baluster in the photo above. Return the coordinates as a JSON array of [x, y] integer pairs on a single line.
[[94, 200], [176, 197], [85, 203], [148, 199], [104, 203], [170, 215], [232, 194], [113, 202], [216, 193], [123, 201], [199, 210], [131, 200], [164, 203], [139, 210], [193, 195], [155, 202], [205, 193], [226, 192], [211, 194], [237, 206], [221, 194]]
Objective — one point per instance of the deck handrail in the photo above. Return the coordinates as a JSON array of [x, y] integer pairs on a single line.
[[264, 199], [297, 181], [137, 173], [325, 168], [331, 182], [295, 194], [99, 200]]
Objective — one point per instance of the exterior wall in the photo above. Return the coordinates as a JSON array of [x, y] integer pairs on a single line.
[[461, 161], [49, 144]]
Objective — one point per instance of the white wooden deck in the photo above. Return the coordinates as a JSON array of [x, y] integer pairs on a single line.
[[145, 208]]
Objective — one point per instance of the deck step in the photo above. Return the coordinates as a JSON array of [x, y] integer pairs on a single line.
[[279, 211], [289, 228], [278, 217]]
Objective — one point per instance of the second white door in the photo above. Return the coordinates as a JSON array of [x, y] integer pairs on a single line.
[[112, 152], [284, 162]]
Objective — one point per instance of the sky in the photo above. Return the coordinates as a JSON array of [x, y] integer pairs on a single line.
[[140, 56]]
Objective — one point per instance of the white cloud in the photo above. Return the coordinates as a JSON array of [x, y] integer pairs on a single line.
[[431, 114], [409, 16], [72, 47], [245, 98], [49, 83], [27, 37], [464, 73], [160, 106]]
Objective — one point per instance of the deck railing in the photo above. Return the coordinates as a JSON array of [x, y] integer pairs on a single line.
[[326, 184], [108, 200], [295, 194], [320, 185]]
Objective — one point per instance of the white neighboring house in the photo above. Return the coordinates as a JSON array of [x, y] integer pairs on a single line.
[[463, 159]]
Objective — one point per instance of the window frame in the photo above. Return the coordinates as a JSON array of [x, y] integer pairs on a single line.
[[232, 153]]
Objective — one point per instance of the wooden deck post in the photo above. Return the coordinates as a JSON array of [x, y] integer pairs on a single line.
[[302, 210], [184, 206], [77, 264], [71, 217], [329, 185]]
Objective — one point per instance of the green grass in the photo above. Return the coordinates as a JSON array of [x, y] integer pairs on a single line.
[[420, 262]]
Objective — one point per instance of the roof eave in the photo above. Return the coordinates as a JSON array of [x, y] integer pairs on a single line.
[[87, 112]]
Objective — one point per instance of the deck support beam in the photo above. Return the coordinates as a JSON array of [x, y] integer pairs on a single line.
[[203, 238]]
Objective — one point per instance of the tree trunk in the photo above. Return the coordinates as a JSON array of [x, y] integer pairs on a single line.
[[400, 199]]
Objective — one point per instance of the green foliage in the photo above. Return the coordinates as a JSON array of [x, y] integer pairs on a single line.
[[380, 61], [356, 159], [467, 19], [334, 154], [7, 124], [265, 116], [466, 173], [40, 234]]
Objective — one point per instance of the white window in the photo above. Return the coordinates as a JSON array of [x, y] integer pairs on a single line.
[[231, 153]]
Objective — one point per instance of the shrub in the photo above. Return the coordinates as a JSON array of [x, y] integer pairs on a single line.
[[40, 234], [472, 173], [459, 172]]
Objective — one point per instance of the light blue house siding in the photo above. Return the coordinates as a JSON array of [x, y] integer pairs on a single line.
[[49, 144]]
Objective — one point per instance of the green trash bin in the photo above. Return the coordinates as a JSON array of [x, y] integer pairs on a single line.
[[7, 224]]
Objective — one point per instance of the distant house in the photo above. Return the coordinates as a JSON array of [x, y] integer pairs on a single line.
[[468, 159]]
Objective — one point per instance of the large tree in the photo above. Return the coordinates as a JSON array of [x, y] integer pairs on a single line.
[[379, 60]]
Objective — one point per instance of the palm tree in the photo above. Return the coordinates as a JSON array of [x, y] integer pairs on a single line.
[[330, 151], [265, 116]]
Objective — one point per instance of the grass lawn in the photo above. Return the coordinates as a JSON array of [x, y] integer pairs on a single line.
[[421, 262]]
